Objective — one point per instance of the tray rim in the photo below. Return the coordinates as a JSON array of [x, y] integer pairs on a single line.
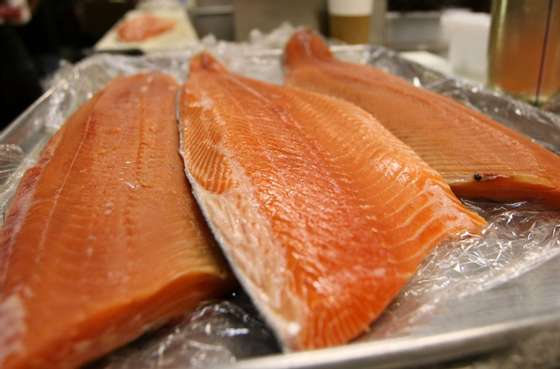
[[407, 352]]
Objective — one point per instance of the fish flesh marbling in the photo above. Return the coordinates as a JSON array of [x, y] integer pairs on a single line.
[[478, 157], [323, 214], [103, 240]]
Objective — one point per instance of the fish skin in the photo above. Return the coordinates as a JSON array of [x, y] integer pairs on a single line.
[[322, 213], [103, 240], [143, 27], [478, 157]]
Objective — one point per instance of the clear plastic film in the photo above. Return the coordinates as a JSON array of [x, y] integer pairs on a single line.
[[519, 237], [216, 333], [553, 105]]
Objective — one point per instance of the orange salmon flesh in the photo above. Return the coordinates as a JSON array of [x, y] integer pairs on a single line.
[[323, 214], [478, 157], [143, 27], [103, 239]]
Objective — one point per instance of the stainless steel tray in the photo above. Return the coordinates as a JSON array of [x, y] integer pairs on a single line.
[[498, 295]]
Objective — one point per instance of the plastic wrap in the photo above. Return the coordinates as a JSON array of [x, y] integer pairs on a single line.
[[553, 105], [218, 332], [519, 236]]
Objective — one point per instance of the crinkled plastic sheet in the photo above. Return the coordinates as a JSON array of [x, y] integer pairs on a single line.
[[215, 333], [553, 105], [519, 236]]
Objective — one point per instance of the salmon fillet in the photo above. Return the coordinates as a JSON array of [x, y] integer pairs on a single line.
[[478, 157], [323, 214], [103, 240], [143, 27]]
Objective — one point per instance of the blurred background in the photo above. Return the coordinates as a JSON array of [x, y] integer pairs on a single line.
[[39, 36]]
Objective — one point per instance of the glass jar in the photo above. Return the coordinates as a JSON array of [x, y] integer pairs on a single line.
[[524, 48]]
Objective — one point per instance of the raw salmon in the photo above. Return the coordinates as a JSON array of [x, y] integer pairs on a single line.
[[477, 156], [103, 239], [143, 27], [322, 212]]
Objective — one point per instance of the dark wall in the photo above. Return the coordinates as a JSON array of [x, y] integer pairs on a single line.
[[419, 5], [58, 29]]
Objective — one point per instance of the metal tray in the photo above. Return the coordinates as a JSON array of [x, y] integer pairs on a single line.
[[511, 309]]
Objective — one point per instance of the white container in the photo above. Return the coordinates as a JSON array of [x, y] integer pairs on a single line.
[[467, 34], [350, 7]]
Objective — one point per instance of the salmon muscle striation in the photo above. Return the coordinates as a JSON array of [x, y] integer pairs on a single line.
[[103, 239], [323, 214], [478, 157]]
